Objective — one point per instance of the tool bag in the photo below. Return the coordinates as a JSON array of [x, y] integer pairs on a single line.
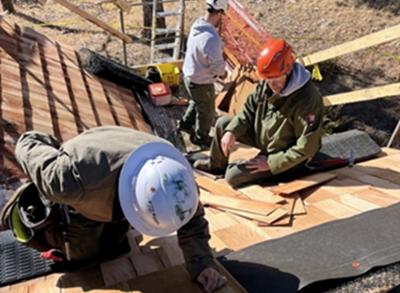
[[34, 221]]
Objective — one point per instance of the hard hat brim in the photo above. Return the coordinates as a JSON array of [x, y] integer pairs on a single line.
[[131, 169], [21, 232]]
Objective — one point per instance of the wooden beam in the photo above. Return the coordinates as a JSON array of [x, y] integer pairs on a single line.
[[94, 20], [121, 4], [363, 95], [367, 41]]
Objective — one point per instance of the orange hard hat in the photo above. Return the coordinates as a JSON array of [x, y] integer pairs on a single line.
[[275, 59]]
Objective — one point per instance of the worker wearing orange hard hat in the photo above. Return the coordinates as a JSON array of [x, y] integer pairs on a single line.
[[282, 118]]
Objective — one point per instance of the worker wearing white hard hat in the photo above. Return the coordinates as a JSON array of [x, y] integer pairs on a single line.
[[98, 185], [218, 4]]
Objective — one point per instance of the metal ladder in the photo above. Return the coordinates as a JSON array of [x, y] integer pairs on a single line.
[[177, 31]]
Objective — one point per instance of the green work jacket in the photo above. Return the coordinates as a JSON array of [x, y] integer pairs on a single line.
[[287, 129], [83, 173]]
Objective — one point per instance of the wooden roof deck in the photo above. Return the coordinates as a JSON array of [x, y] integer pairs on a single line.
[[155, 265], [43, 87]]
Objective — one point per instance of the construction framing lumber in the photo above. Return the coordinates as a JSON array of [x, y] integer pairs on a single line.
[[367, 41], [94, 20], [363, 95]]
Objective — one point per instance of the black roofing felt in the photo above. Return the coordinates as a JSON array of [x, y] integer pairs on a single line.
[[340, 249]]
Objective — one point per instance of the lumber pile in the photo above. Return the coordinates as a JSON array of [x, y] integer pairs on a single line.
[[263, 206]]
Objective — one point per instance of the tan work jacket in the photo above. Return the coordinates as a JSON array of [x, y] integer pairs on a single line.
[[83, 173]]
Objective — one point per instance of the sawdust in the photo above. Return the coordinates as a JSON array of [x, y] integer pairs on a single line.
[[310, 26]]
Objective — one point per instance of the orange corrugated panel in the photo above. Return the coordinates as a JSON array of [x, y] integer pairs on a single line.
[[243, 36]]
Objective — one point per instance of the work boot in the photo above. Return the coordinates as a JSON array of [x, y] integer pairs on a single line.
[[205, 165], [185, 128], [206, 141]]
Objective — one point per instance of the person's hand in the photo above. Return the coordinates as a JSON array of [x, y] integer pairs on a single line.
[[228, 142], [211, 280], [257, 164]]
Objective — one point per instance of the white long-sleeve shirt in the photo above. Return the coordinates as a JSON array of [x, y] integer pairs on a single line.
[[203, 60]]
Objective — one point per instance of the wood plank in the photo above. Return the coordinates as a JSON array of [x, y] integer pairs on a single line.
[[320, 214], [95, 20], [303, 183], [380, 170], [251, 206], [278, 231], [133, 237], [117, 271], [244, 87], [162, 281], [363, 95], [318, 194], [367, 41], [393, 160], [391, 190], [166, 248], [376, 197], [178, 278], [250, 216], [221, 221], [257, 192], [24, 286], [241, 236], [218, 247], [276, 215], [299, 207], [336, 209], [21, 289], [146, 262], [214, 187], [390, 151], [49, 285], [6, 288], [306, 222], [357, 203], [345, 186], [82, 280], [289, 207]]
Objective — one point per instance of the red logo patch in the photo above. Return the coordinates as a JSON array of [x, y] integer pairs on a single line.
[[310, 119]]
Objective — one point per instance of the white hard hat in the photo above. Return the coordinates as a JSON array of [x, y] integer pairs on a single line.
[[157, 189], [218, 4]]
